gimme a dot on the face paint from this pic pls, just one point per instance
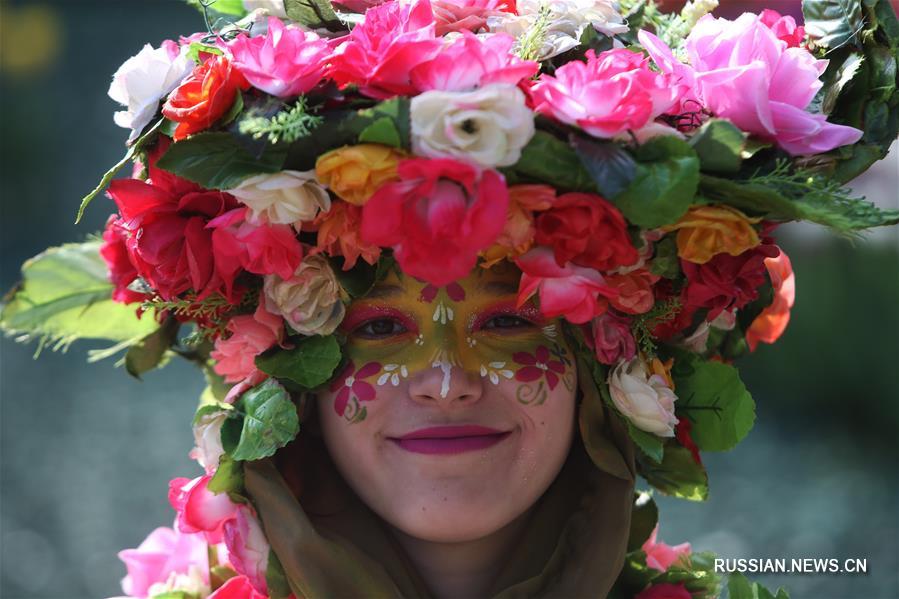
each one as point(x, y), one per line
point(405, 326)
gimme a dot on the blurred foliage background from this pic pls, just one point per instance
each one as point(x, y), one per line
point(87, 452)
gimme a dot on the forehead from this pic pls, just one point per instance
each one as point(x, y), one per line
point(499, 281)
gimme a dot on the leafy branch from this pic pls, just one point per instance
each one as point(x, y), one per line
point(287, 126)
point(644, 324)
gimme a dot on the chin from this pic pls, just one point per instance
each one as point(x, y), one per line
point(450, 521)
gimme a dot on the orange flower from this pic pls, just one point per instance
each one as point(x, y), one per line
point(771, 323)
point(518, 235)
point(635, 294)
point(338, 235)
point(355, 173)
point(663, 369)
point(708, 230)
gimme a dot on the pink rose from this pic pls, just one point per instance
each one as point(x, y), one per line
point(163, 552)
point(380, 53)
point(607, 95)
point(286, 62)
point(199, 509)
point(237, 587)
point(612, 338)
point(471, 62)
point(577, 293)
point(437, 217)
point(467, 15)
point(660, 556)
point(250, 336)
point(784, 27)
point(665, 591)
point(739, 70)
point(247, 547)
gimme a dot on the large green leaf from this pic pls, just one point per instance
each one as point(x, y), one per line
point(270, 421)
point(150, 352)
point(678, 475)
point(739, 587)
point(309, 364)
point(833, 23)
point(719, 145)
point(610, 165)
point(65, 295)
point(313, 14)
point(548, 159)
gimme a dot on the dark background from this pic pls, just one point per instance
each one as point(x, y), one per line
point(87, 452)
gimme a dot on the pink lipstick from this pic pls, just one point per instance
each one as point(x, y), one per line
point(450, 439)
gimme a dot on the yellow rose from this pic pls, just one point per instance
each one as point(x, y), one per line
point(355, 173)
point(708, 230)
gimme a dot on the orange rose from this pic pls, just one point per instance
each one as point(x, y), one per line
point(338, 235)
point(708, 230)
point(771, 323)
point(663, 369)
point(635, 295)
point(518, 235)
point(355, 173)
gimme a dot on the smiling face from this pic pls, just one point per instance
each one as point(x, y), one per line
point(456, 410)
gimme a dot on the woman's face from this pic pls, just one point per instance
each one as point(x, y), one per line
point(456, 411)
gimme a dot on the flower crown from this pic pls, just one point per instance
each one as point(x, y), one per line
point(632, 164)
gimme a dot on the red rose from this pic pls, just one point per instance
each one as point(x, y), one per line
point(665, 591)
point(587, 230)
point(121, 271)
point(164, 220)
point(726, 282)
point(204, 97)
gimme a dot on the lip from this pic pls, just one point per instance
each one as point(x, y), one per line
point(450, 439)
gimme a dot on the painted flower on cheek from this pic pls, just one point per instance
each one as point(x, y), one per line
point(537, 366)
point(350, 384)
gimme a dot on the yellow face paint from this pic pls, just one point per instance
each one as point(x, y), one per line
point(405, 326)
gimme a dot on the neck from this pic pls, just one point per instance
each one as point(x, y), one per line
point(463, 569)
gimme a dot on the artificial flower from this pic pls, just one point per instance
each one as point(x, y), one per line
point(379, 53)
point(340, 234)
point(784, 27)
point(587, 230)
point(143, 80)
point(192, 583)
point(249, 336)
point(660, 556)
point(470, 62)
point(683, 436)
point(199, 509)
point(739, 70)
point(708, 230)
point(204, 97)
point(274, 8)
point(612, 339)
point(644, 398)
point(283, 198)
point(358, 6)
point(164, 552)
point(467, 15)
point(577, 293)
point(287, 61)
point(207, 429)
point(518, 233)
point(120, 271)
point(665, 590)
point(237, 587)
point(437, 217)
point(309, 299)
point(635, 294)
point(355, 173)
point(772, 322)
point(488, 126)
point(247, 547)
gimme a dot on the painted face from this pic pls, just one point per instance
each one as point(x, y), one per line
point(456, 410)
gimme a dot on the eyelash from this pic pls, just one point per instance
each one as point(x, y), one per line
point(366, 330)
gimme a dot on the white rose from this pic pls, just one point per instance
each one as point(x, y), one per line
point(282, 198)
point(310, 300)
point(643, 398)
point(191, 583)
point(143, 80)
point(488, 126)
point(208, 440)
point(273, 8)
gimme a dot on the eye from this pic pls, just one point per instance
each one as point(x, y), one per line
point(506, 322)
point(380, 328)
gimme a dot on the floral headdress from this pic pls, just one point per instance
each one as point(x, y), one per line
point(633, 165)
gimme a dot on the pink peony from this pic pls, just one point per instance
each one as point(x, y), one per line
point(471, 62)
point(660, 556)
point(237, 587)
point(612, 338)
point(163, 552)
point(607, 95)
point(467, 15)
point(199, 509)
point(577, 293)
point(784, 27)
point(247, 547)
point(250, 336)
point(437, 217)
point(380, 53)
point(287, 61)
point(739, 70)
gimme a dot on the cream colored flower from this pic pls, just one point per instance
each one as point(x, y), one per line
point(645, 399)
point(208, 439)
point(488, 126)
point(310, 300)
point(283, 198)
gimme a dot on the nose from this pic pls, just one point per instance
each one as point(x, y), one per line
point(446, 385)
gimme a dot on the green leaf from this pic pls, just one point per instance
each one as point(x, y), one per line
point(218, 161)
point(650, 444)
point(234, 111)
point(832, 23)
point(310, 363)
point(697, 573)
point(196, 48)
point(842, 77)
point(719, 145)
point(275, 578)
point(269, 421)
point(712, 396)
point(666, 181)
point(66, 296)
point(382, 131)
point(313, 14)
point(610, 165)
point(228, 477)
point(739, 587)
point(547, 159)
point(677, 475)
point(129, 155)
point(148, 353)
point(233, 8)
point(665, 262)
point(357, 281)
point(231, 430)
point(644, 518)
